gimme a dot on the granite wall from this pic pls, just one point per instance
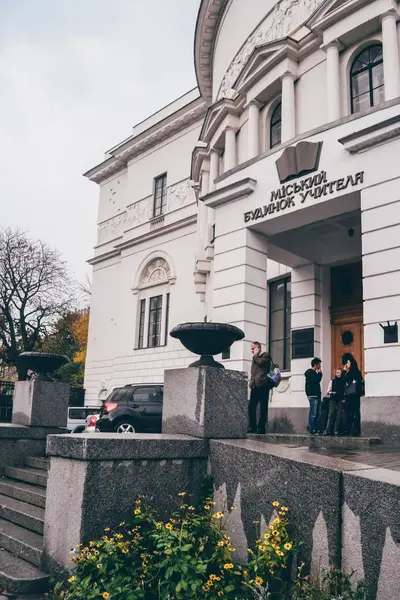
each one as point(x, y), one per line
point(346, 514)
point(94, 481)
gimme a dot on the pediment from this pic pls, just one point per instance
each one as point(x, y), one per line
point(330, 10)
point(262, 59)
point(216, 114)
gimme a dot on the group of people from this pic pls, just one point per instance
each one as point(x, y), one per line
point(338, 413)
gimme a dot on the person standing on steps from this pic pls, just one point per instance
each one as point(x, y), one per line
point(260, 387)
point(313, 392)
point(335, 394)
point(353, 390)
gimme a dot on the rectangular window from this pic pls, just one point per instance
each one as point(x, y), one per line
point(279, 322)
point(160, 195)
point(155, 314)
point(142, 317)
point(166, 319)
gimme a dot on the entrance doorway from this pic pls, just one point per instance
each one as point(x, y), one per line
point(347, 313)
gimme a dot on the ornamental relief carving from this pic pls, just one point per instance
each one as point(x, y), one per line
point(156, 271)
point(283, 18)
point(140, 212)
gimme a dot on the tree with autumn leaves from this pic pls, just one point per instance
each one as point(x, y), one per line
point(38, 306)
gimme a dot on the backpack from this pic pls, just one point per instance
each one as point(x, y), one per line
point(275, 377)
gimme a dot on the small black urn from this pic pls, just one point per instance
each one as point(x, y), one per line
point(207, 340)
point(42, 363)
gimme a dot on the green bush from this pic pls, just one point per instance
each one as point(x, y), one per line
point(188, 556)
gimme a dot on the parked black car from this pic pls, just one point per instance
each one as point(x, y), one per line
point(132, 408)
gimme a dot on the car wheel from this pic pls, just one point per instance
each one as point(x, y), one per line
point(125, 426)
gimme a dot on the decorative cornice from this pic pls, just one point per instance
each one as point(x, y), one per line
point(208, 20)
point(121, 154)
point(229, 193)
point(369, 137)
point(331, 11)
point(216, 114)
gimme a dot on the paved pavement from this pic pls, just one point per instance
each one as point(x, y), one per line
point(384, 457)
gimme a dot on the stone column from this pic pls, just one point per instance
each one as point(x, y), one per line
point(230, 149)
point(214, 169)
point(333, 80)
point(253, 129)
point(239, 294)
point(306, 313)
point(202, 213)
point(288, 107)
point(391, 60)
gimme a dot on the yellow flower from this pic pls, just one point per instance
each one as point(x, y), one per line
point(285, 508)
point(99, 566)
point(232, 549)
point(267, 536)
point(233, 508)
point(106, 595)
point(262, 548)
point(277, 520)
point(287, 546)
point(107, 529)
point(169, 527)
point(221, 543)
point(137, 511)
point(72, 579)
point(218, 515)
point(122, 523)
point(182, 494)
point(245, 573)
point(259, 580)
point(275, 503)
point(275, 532)
point(228, 566)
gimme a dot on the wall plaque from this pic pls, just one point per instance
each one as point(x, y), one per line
point(303, 343)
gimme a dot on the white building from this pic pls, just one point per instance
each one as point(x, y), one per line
point(197, 219)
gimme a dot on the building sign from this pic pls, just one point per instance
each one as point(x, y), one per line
point(296, 161)
point(303, 343)
point(292, 194)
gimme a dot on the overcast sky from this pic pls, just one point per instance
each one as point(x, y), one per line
point(75, 76)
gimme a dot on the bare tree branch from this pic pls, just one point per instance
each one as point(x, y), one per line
point(35, 291)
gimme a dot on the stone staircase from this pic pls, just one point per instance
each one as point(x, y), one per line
point(22, 502)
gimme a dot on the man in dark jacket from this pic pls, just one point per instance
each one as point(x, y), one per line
point(313, 391)
point(260, 387)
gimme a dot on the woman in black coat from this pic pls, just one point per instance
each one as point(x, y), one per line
point(353, 390)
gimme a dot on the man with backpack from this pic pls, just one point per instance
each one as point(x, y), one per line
point(261, 383)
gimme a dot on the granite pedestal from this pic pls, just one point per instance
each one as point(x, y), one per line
point(40, 403)
point(95, 479)
point(205, 402)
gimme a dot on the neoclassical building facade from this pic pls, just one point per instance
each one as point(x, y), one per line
point(269, 198)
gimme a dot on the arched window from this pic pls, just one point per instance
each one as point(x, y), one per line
point(154, 303)
point(366, 79)
point(275, 136)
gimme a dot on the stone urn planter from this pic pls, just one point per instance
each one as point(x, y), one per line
point(207, 340)
point(42, 363)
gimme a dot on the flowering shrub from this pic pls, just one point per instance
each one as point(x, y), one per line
point(188, 556)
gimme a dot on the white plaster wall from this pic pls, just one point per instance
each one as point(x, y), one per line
point(172, 156)
point(380, 207)
point(114, 313)
point(240, 18)
point(310, 89)
point(112, 196)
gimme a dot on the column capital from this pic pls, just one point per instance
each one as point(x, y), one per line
point(231, 128)
point(332, 44)
point(216, 151)
point(289, 75)
point(253, 102)
point(391, 13)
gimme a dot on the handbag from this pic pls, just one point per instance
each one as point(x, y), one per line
point(354, 388)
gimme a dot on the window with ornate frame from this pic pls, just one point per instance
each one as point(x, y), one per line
point(275, 126)
point(160, 195)
point(367, 86)
point(280, 311)
point(153, 304)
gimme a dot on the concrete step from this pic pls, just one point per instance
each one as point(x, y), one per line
point(27, 474)
point(20, 577)
point(22, 513)
point(26, 492)
point(37, 463)
point(316, 441)
point(22, 542)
